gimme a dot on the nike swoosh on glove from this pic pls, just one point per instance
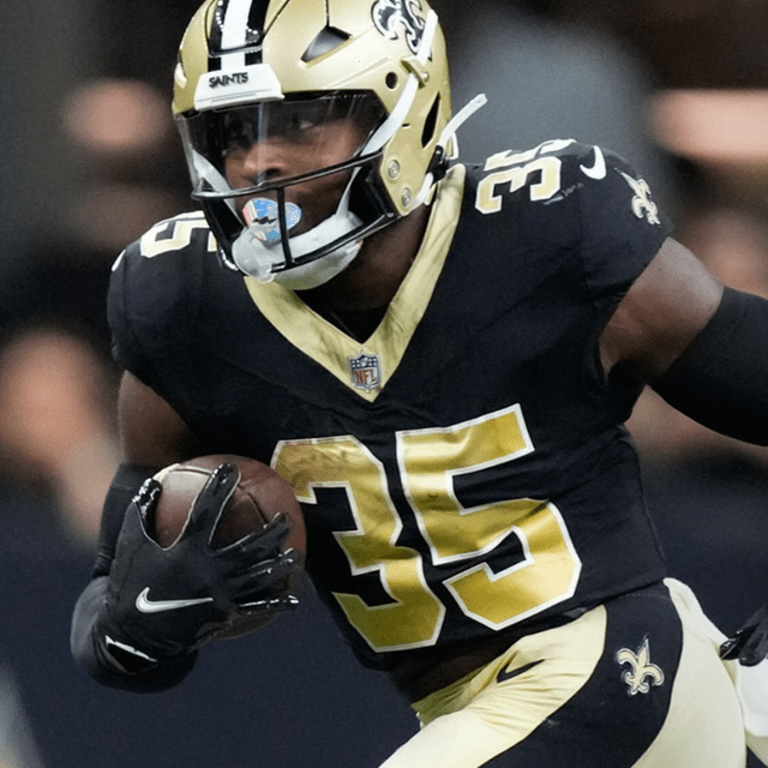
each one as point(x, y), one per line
point(163, 603)
point(750, 644)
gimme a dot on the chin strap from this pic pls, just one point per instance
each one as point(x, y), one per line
point(448, 134)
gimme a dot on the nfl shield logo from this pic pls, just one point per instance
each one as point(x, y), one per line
point(366, 371)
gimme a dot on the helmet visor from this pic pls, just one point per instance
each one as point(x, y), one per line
point(275, 141)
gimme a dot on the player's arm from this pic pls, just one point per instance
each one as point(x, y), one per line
point(702, 347)
point(152, 436)
point(663, 311)
point(112, 638)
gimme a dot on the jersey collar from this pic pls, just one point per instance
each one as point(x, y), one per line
point(341, 355)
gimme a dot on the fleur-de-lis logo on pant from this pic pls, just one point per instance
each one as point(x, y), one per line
point(642, 674)
point(642, 205)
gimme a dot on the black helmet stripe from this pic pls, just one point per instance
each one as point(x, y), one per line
point(257, 17)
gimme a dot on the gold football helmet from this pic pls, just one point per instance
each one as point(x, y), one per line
point(250, 69)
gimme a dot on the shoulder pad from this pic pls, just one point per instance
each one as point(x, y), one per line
point(187, 232)
point(554, 170)
point(535, 173)
point(154, 287)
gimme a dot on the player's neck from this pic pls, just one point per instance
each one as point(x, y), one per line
point(373, 278)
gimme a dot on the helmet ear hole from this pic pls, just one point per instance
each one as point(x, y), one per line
point(391, 80)
point(430, 123)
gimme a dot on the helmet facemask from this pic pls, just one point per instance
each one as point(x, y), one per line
point(236, 158)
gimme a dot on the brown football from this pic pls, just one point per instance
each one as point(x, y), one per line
point(260, 494)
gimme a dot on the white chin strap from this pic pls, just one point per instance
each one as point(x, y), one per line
point(448, 135)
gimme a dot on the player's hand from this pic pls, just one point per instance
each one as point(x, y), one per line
point(750, 644)
point(163, 603)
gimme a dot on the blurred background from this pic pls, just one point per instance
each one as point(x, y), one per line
point(89, 160)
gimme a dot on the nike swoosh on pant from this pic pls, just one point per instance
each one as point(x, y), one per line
point(508, 674)
point(145, 605)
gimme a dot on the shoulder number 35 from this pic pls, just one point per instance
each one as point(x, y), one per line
point(511, 170)
point(428, 460)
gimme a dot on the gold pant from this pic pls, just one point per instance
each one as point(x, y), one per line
point(580, 696)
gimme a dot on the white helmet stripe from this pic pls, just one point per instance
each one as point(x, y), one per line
point(235, 24)
point(233, 33)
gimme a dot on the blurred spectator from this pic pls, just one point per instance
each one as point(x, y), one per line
point(122, 132)
point(55, 424)
point(57, 380)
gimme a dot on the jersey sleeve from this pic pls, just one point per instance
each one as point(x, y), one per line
point(622, 227)
point(151, 299)
point(126, 344)
point(563, 197)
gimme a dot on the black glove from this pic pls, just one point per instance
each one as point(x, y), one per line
point(750, 644)
point(163, 603)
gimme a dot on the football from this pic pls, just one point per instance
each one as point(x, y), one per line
point(260, 494)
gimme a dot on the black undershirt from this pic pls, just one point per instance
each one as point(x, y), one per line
point(359, 324)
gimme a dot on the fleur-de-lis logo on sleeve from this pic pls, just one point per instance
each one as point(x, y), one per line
point(642, 205)
point(642, 674)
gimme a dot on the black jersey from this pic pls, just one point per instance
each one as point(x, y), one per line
point(464, 471)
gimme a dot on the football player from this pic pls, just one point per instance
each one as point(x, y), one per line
point(439, 357)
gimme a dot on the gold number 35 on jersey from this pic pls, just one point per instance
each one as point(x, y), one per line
point(511, 171)
point(428, 460)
